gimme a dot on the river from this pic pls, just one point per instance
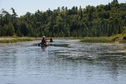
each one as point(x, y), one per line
point(77, 63)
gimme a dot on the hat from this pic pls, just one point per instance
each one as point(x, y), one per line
point(44, 37)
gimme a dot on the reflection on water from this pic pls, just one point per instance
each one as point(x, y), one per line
point(77, 63)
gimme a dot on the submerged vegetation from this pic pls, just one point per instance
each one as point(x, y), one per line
point(99, 21)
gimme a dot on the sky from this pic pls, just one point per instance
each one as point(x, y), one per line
point(23, 6)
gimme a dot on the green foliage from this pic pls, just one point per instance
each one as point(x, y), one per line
point(102, 20)
point(124, 30)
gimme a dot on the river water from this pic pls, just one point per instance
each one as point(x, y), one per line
point(77, 63)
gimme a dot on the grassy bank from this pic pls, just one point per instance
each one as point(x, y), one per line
point(22, 39)
point(97, 39)
point(117, 38)
point(16, 39)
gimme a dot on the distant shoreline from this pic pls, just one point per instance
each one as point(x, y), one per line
point(113, 39)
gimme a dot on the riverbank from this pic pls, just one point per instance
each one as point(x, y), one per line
point(22, 39)
point(97, 39)
point(117, 38)
point(16, 39)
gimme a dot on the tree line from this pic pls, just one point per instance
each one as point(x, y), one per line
point(91, 21)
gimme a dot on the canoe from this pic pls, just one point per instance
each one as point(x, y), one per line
point(58, 45)
point(42, 45)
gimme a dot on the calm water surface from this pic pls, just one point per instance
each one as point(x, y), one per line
point(78, 63)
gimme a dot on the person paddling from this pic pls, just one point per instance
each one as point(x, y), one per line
point(44, 41)
point(51, 40)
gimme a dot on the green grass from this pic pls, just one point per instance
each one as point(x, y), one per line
point(116, 38)
point(16, 39)
point(97, 39)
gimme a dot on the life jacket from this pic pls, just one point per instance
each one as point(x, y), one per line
point(43, 41)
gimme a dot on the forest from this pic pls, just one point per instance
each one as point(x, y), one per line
point(91, 21)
